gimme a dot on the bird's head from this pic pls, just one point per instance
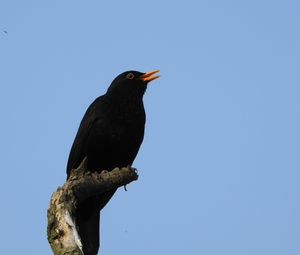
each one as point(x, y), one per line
point(132, 83)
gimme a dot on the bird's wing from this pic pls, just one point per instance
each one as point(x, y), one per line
point(93, 127)
point(90, 120)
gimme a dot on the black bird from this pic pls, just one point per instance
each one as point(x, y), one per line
point(109, 135)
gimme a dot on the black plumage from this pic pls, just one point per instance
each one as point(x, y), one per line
point(110, 135)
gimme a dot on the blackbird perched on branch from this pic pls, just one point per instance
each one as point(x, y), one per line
point(109, 135)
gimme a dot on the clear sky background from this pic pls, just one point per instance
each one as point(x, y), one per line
point(219, 166)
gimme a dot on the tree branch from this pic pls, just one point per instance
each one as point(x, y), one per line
point(62, 232)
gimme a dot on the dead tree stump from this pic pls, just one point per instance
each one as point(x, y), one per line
point(62, 231)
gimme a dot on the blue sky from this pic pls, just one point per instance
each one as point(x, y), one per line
point(219, 166)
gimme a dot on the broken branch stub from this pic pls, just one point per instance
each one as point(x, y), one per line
point(62, 232)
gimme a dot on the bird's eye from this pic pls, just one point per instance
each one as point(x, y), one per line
point(130, 76)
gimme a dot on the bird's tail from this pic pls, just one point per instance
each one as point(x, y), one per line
point(88, 220)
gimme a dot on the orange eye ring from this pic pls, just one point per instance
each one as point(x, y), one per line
point(130, 76)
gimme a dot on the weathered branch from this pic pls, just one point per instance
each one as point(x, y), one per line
point(62, 233)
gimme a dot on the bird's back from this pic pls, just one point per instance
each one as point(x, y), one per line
point(109, 134)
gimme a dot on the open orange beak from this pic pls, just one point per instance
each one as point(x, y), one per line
point(148, 76)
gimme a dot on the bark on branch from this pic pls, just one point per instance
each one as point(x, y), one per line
point(62, 233)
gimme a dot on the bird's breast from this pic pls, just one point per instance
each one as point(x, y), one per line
point(119, 145)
